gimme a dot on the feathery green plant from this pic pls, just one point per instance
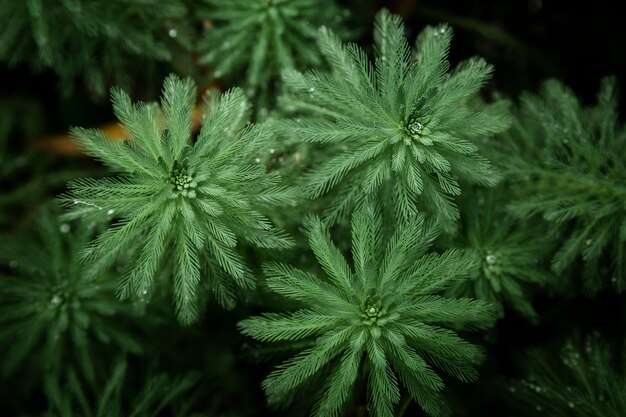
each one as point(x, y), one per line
point(158, 393)
point(508, 250)
point(52, 318)
point(570, 170)
point(381, 320)
point(584, 383)
point(269, 35)
point(406, 124)
point(188, 203)
point(97, 41)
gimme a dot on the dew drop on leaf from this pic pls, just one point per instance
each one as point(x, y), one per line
point(55, 301)
point(64, 228)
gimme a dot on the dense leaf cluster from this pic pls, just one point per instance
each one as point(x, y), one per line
point(406, 124)
point(97, 42)
point(568, 162)
point(61, 319)
point(268, 36)
point(189, 204)
point(381, 320)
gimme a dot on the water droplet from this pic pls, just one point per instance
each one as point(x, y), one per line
point(173, 33)
point(257, 160)
point(491, 259)
point(311, 90)
point(64, 228)
point(272, 151)
point(110, 212)
point(145, 291)
point(570, 404)
point(539, 408)
point(13, 264)
point(588, 242)
point(56, 300)
point(613, 279)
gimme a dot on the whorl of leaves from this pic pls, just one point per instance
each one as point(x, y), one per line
point(51, 318)
point(568, 160)
point(254, 40)
point(185, 205)
point(405, 122)
point(380, 321)
point(513, 254)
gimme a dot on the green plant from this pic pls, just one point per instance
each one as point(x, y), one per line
point(509, 251)
point(52, 318)
point(67, 35)
point(583, 380)
point(381, 320)
point(406, 124)
point(570, 171)
point(157, 393)
point(269, 35)
point(187, 203)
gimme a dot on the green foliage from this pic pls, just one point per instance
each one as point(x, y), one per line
point(190, 204)
point(584, 382)
point(405, 122)
point(52, 318)
point(365, 154)
point(381, 320)
point(158, 393)
point(570, 170)
point(508, 250)
point(25, 175)
point(98, 41)
point(252, 41)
